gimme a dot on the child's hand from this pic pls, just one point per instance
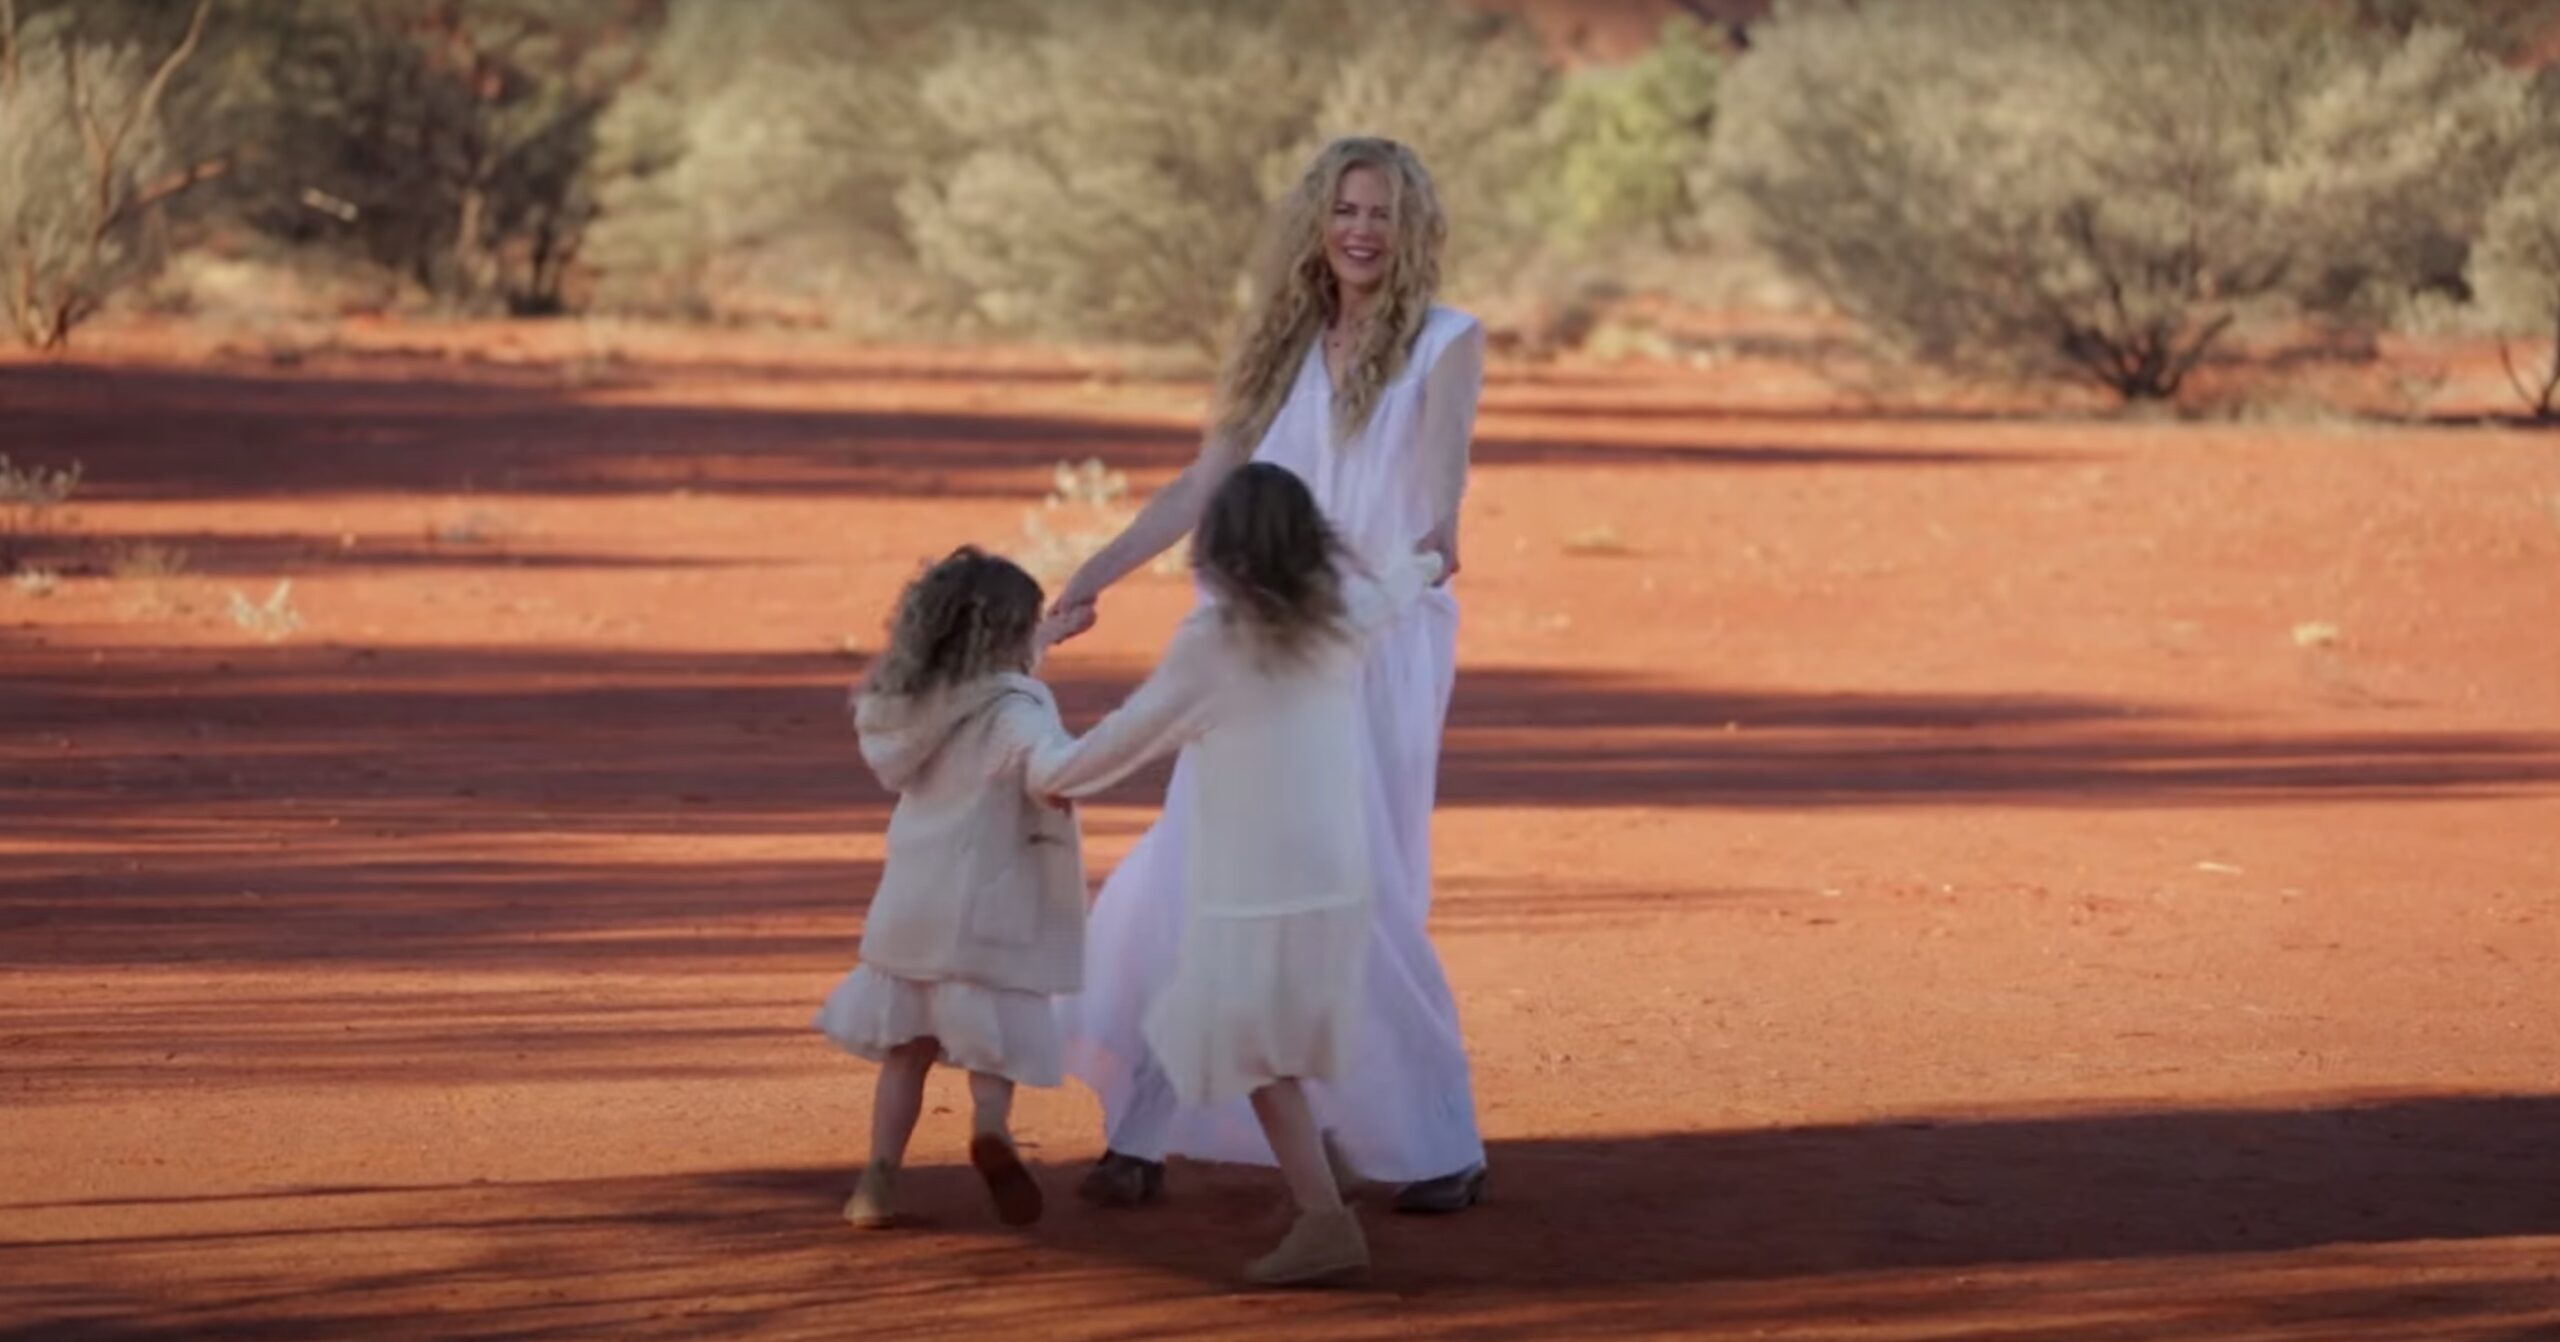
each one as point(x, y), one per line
point(1443, 541)
point(1063, 623)
point(870, 674)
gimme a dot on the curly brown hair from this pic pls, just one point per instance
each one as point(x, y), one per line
point(969, 615)
point(1274, 562)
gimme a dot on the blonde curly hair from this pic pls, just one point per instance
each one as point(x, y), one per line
point(968, 616)
point(1293, 294)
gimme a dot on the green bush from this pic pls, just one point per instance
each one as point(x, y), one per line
point(2516, 273)
point(763, 154)
point(2090, 189)
point(84, 156)
point(1110, 161)
point(1630, 144)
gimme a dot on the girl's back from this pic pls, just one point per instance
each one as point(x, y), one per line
point(981, 881)
point(979, 915)
point(1275, 742)
point(1278, 782)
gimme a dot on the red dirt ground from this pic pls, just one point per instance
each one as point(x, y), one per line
point(1902, 873)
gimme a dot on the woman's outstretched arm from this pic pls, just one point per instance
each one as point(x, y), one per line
point(1447, 429)
point(1165, 519)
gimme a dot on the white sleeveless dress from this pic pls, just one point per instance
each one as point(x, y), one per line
point(1405, 1108)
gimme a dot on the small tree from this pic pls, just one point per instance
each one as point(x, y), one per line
point(2516, 274)
point(765, 149)
point(453, 136)
point(1468, 91)
point(1631, 142)
point(2506, 28)
point(82, 160)
point(1111, 161)
point(2090, 189)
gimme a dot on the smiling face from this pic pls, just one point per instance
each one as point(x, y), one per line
point(1359, 235)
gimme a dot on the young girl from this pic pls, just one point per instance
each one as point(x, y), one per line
point(979, 916)
point(1262, 684)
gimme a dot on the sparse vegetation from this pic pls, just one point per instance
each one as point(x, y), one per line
point(2047, 188)
point(146, 569)
point(2516, 273)
point(1631, 144)
point(451, 143)
point(2093, 190)
point(476, 527)
point(83, 161)
point(274, 619)
point(146, 561)
point(1599, 540)
point(1087, 505)
point(31, 500)
point(1110, 162)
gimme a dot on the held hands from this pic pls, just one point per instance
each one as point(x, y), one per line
point(1063, 622)
point(1074, 612)
point(1443, 541)
point(870, 675)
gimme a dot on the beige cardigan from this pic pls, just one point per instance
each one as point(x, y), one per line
point(984, 882)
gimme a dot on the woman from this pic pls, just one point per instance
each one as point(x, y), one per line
point(1348, 375)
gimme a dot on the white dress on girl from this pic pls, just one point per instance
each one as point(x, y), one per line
point(1266, 982)
point(1406, 1110)
point(979, 916)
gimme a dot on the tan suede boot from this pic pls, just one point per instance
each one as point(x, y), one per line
point(873, 1205)
point(1321, 1248)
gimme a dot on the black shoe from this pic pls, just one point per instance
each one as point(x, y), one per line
point(1122, 1181)
point(1444, 1195)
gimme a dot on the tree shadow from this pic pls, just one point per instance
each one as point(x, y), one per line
point(458, 805)
point(165, 434)
point(1517, 738)
point(159, 434)
point(397, 1037)
point(465, 543)
point(1814, 769)
point(2409, 1217)
point(1495, 447)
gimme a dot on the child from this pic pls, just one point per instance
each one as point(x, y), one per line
point(1262, 683)
point(979, 916)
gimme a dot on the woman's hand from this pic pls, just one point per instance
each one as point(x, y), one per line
point(1063, 622)
point(1078, 605)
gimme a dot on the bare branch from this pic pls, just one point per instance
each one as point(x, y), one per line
point(2551, 385)
point(1735, 31)
point(148, 104)
point(2544, 404)
point(2515, 379)
point(80, 113)
point(8, 46)
point(2186, 361)
point(22, 300)
point(174, 184)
